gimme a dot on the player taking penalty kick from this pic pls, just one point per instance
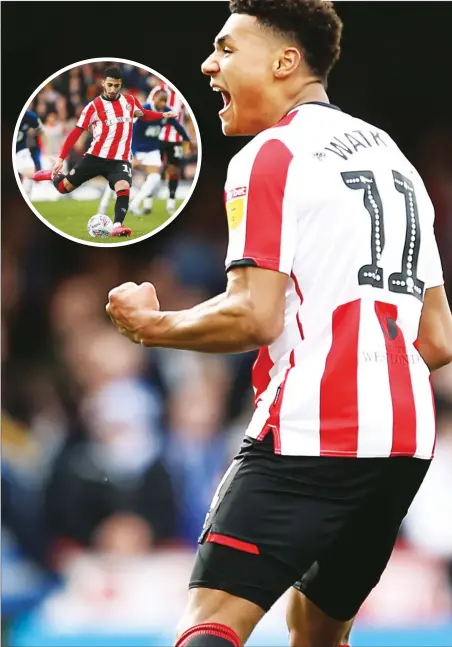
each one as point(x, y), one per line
point(110, 116)
point(334, 274)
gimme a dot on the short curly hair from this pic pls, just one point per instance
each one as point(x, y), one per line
point(113, 72)
point(313, 24)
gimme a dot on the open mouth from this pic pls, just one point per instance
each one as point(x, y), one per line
point(226, 99)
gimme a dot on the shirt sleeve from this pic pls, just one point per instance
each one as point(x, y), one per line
point(137, 104)
point(261, 213)
point(71, 140)
point(87, 117)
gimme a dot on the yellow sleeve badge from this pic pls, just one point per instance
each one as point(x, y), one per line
point(235, 206)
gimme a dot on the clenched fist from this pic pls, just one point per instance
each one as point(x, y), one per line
point(133, 308)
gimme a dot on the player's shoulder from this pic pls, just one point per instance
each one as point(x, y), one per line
point(31, 118)
point(268, 146)
point(95, 103)
point(293, 123)
point(128, 102)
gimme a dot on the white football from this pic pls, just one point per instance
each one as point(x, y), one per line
point(99, 226)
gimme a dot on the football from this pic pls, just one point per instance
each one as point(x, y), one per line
point(99, 226)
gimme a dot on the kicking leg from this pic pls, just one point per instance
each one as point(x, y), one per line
point(62, 184)
point(59, 181)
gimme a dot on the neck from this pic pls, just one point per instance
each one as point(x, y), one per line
point(108, 98)
point(313, 90)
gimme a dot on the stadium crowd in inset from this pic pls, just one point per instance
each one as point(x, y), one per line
point(106, 151)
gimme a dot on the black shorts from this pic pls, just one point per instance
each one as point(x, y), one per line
point(172, 153)
point(91, 166)
point(322, 524)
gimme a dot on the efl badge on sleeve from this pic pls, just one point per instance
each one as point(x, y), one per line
point(235, 206)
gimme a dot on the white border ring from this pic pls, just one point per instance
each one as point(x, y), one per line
point(167, 222)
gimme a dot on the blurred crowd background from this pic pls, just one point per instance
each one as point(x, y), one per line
point(111, 453)
point(61, 101)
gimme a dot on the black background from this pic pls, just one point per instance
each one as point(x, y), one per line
point(395, 69)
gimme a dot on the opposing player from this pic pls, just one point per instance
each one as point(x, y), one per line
point(30, 126)
point(36, 146)
point(334, 274)
point(171, 143)
point(146, 153)
point(111, 118)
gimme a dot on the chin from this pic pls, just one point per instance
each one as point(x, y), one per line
point(233, 129)
point(228, 129)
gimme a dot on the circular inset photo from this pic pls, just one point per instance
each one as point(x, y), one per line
point(106, 152)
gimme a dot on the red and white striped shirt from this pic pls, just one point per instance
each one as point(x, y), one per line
point(168, 132)
point(332, 202)
point(112, 124)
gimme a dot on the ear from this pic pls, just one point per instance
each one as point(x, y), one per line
point(286, 62)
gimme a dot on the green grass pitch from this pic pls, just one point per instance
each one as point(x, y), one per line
point(71, 217)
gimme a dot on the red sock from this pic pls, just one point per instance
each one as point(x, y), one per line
point(213, 629)
point(61, 188)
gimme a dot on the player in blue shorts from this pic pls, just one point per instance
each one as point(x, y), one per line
point(146, 154)
point(30, 125)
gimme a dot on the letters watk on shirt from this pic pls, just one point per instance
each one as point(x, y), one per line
point(332, 202)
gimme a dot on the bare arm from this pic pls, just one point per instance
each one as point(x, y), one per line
point(248, 315)
point(434, 341)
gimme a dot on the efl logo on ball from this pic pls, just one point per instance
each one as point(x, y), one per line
point(99, 226)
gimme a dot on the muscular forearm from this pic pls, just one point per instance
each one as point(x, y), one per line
point(250, 314)
point(221, 325)
point(434, 357)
